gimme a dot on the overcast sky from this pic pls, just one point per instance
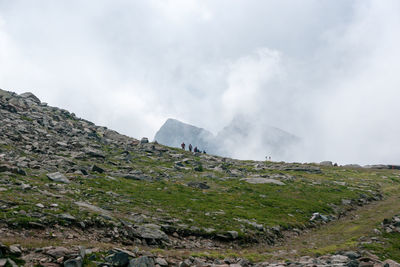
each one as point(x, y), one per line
point(326, 71)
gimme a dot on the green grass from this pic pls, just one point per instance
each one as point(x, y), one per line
point(221, 207)
point(389, 249)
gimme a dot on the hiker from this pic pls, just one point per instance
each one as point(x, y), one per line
point(183, 145)
point(204, 152)
point(190, 147)
point(195, 149)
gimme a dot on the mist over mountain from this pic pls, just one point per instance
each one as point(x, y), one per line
point(246, 138)
point(242, 138)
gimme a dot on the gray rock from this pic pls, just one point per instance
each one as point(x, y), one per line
point(326, 163)
point(12, 169)
point(144, 140)
point(151, 232)
point(118, 259)
point(377, 166)
point(137, 177)
point(317, 216)
point(199, 185)
point(244, 262)
point(14, 249)
point(353, 263)
point(98, 169)
point(94, 153)
point(29, 95)
point(354, 166)
point(390, 263)
point(233, 234)
point(352, 255)
point(339, 258)
point(186, 263)
point(67, 217)
point(161, 262)
point(3, 262)
point(346, 201)
point(300, 168)
point(262, 181)
point(143, 261)
point(77, 262)
point(25, 186)
point(103, 212)
point(58, 177)
point(58, 252)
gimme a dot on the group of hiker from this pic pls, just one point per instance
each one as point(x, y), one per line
point(190, 147)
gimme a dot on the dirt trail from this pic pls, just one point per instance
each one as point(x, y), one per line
point(343, 234)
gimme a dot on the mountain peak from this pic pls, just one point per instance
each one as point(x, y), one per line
point(173, 132)
point(243, 137)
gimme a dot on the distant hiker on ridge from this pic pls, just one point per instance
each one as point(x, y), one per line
point(183, 145)
point(195, 149)
point(190, 147)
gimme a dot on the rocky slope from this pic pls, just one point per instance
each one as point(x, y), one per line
point(67, 183)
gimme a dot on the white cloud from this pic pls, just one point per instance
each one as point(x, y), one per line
point(324, 70)
point(181, 10)
point(248, 78)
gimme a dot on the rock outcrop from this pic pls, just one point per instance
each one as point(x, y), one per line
point(173, 133)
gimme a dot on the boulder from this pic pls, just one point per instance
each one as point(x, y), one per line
point(352, 255)
point(30, 96)
point(77, 262)
point(319, 217)
point(58, 177)
point(161, 262)
point(14, 249)
point(390, 263)
point(118, 259)
point(67, 217)
point(12, 169)
point(233, 234)
point(150, 232)
point(95, 153)
point(143, 261)
point(58, 252)
point(144, 140)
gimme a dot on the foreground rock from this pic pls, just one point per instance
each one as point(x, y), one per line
point(58, 177)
